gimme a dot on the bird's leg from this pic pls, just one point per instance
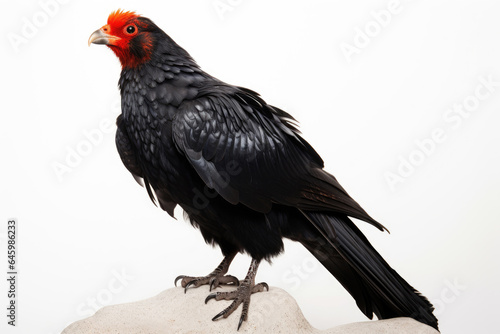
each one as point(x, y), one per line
point(215, 278)
point(240, 295)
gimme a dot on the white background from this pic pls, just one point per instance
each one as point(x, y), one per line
point(364, 115)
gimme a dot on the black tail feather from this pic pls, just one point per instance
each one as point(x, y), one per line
point(377, 288)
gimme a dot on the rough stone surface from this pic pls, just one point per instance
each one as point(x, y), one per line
point(172, 311)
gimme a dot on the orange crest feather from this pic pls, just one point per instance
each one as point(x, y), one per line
point(119, 17)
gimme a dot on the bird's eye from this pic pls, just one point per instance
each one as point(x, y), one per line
point(130, 29)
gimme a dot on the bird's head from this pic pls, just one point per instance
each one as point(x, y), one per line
point(130, 36)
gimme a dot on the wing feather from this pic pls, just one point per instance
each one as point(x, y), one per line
point(275, 164)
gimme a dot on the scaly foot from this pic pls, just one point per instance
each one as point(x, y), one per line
point(214, 279)
point(240, 295)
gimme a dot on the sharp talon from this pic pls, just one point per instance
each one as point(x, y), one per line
point(220, 314)
point(241, 321)
point(178, 278)
point(210, 296)
point(239, 296)
point(188, 285)
point(234, 281)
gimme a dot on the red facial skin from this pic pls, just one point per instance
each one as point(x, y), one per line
point(120, 42)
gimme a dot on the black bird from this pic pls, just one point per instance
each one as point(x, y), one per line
point(242, 173)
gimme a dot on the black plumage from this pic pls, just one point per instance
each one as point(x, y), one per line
point(243, 174)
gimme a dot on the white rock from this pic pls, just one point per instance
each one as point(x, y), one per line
point(172, 311)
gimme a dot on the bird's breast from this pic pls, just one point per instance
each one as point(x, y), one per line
point(149, 127)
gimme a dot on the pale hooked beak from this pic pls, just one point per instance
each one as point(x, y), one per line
point(101, 37)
